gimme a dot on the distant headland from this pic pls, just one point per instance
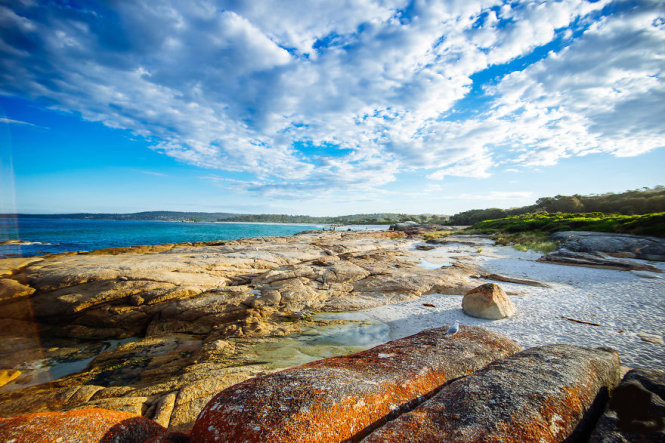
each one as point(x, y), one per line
point(638, 201)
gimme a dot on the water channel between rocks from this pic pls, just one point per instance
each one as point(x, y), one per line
point(44, 370)
point(357, 333)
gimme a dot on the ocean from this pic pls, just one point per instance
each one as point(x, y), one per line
point(40, 236)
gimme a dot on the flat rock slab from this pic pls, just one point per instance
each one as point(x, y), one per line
point(194, 288)
point(340, 398)
point(637, 246)
point(84, 425)
point(505, 278)
point(540, 394)
point(465, 240)
point(594, 260)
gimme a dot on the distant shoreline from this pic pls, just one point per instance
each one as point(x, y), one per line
point(320, 225)
point(25, 237)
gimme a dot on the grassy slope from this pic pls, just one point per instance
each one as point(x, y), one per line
point(547, 223)
point(530, 231)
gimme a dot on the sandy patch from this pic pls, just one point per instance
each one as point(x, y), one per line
point(625, 304)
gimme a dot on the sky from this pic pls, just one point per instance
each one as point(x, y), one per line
point(326, 107)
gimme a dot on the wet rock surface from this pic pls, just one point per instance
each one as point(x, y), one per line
point(345, 397)
point(88, 425)
point(159, 330)
point(542, 394)
point(623, 245)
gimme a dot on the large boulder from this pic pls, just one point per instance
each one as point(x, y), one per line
point(636, 411)
point(403, 226)
point(624, 245)
point(342, 398)
point(544, 394)
point(488, 301)
point(99, 425)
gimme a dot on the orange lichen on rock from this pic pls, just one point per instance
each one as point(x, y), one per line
point(83, 425)
point(346, 397)
point(544, 394)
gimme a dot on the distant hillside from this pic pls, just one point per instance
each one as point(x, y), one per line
point(148, 215)
point(356, 219)
point(638, 201)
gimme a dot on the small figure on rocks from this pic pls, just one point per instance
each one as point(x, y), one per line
point(453, 329)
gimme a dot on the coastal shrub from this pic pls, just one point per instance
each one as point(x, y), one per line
point(639, 201)
point(436, 234)
point(524, 241)
point(547, 223)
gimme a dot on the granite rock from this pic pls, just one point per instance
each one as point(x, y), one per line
point(82, 425)
point(595, 260)
point(636, 411)
point(625, 245)
point(192, 313)
point(345, 397)
point(545, 394)
point(488, 301)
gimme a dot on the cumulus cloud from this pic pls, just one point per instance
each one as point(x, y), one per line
point(603, 93)
point(238, 86)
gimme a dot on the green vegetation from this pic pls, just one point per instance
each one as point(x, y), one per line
point(531, 231)
point(356, 219)
point(644, 224)
point(639, 201)
point(433, 235)
point(524, 241)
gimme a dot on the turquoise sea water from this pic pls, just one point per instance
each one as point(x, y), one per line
point(48, 236)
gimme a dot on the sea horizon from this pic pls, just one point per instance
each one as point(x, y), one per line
point(27, 237)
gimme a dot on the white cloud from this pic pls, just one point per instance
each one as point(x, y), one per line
point(155, 173)
point(236, 85)
point(603, 93)
point(9, 121)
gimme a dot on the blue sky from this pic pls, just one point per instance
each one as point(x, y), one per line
point(326, 107)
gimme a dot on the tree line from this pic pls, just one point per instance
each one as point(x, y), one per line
point(638, 201)
point(632, 202)
point(356, 219)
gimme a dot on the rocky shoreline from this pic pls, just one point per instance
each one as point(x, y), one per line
point(160, 330)
point(469, 385)
point(193, 314)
